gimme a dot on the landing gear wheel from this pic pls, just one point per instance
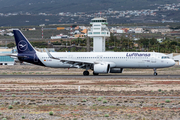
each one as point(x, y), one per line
point(86, 73)
point(155, 74)
point(95, 73)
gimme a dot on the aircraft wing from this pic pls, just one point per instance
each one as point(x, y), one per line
point(12, 55)
point(69, 61)
point(74, 63)
point(77, 63)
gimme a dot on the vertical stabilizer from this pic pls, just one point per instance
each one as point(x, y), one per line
point(23, 45)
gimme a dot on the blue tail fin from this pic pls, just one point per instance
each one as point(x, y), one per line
point(23, 45)
point(25, 50)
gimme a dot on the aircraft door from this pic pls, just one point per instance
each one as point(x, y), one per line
point(70, 56)
point(153, 58)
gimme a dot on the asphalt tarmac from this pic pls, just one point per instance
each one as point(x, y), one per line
point(93, 77)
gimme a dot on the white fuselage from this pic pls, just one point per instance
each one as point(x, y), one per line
point(115, 59)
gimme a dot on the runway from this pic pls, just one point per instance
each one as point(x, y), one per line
point(93, 77)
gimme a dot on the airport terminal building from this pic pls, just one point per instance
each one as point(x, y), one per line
point(6, 60)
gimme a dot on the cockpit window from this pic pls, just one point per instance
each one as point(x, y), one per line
point(165, 57)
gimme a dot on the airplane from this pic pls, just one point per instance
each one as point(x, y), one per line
point(98, 62)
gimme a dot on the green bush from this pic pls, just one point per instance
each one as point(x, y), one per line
point(99, 98)
point(10, 107)
point(84, 100)
point(106, 115)
point(167, 101)
point(0, 113)
point(13, 95)
point(51, 113)
point(7, 90)
point(4, 119)
point(159, 90)
point(104, 101)
point(23, 117)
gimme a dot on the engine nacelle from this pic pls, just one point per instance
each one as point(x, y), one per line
point(101, 68)
point(116, 70)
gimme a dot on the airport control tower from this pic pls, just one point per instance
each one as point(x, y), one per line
point(99, 31)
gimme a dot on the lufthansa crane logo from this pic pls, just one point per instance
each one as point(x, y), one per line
point(22, 45)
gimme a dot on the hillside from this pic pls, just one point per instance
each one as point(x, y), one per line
point(56, 6)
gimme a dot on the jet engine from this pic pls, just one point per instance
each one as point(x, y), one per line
point(101, 68)
point(116, 70)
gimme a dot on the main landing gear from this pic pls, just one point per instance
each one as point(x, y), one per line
point(86, 73)
point(155, 73)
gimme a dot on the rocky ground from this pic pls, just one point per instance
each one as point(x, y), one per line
point(88, 99)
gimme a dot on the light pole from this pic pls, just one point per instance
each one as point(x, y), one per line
point(128, 44)
point(177, 46)
point(114, 42)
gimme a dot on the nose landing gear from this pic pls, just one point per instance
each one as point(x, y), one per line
point(155, 73)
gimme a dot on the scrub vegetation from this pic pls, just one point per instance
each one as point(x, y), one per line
point(50, 98)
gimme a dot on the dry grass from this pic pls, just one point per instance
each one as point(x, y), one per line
point(39, 96)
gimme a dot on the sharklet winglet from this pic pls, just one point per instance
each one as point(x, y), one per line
point(49, 54)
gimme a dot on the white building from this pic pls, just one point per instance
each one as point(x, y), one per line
point(10, 34)
point(177, 59)
point(113, 30)
point(59, 36)
point(160, 30)
point(99, 31)
point(6, 60)
point(120, 31)
point(138, 30)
